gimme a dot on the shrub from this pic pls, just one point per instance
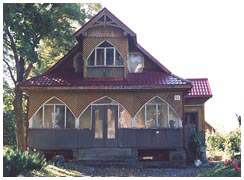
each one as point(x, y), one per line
point(9, 137)
point(195, 145)
point(16, 162)
point(215, 142)
point(233, 141)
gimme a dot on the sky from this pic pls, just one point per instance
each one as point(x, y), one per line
point(195, 39)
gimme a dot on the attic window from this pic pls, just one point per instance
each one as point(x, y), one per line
point(105, 55)
point(135, 63)
point(77, 62)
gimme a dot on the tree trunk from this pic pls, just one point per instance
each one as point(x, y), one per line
point(20, 127)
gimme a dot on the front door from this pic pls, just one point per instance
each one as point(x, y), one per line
point(104, 125)
point(191, 120)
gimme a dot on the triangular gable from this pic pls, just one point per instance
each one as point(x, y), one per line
point(104, 18)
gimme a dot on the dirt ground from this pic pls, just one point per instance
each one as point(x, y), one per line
point(112, 171)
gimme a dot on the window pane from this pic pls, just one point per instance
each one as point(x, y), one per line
point(118, 59)
point(100, 57)
point(91, 59)
point(59, 116)
point(124, 118)
point(85, 119)
point(70, 119)
point(163, 115)
point(48, 116)
point(36, 121)
point(109, 56)
point(174, 119)
point(98, 123)
point(140, 119)
point(151, 116)
point(111, 113)
point(135, 64)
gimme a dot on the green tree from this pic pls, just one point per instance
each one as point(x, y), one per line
point(8, 116)
point(233, 141)
point(24, 27)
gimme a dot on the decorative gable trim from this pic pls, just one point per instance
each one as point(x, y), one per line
point(104, 18)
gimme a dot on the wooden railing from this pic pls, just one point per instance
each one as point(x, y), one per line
point(75, 138)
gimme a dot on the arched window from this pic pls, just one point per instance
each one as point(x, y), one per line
point(105, 54)
point(157, 113)
point(53, 114)
point(124, 118)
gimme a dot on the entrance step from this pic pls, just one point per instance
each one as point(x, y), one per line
point(106, 154)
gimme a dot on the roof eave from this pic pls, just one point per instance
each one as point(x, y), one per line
point(165, 87)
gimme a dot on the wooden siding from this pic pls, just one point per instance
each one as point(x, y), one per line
point(75, 138)
point(132, 101)
point(148, 138)
point(59, 138)
point(105, 72)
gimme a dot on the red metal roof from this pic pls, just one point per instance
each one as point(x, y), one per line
point(201, 88)
point(147, 79)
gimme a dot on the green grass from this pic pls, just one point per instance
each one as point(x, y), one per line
point(52, 171)
point(221, 171)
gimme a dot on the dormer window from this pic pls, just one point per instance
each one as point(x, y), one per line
point(105, 55)
point(135, 63)
point(105, 61)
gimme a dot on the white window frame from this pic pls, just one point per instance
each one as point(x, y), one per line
point(52, 104)
point(104, 104)
point(145, 116)
point(105, 56)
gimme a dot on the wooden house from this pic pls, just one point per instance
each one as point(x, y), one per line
point(108, 99)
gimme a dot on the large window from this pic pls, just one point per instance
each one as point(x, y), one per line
point(53, 114)
point(157, 114)
point(124, 118)
point(105, 55)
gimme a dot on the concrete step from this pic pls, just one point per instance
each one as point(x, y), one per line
point(105, 154)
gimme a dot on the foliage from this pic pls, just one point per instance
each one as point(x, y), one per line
point(9, 137)
point(221, 171)
point(25, 25)
point(195, 145)
point(233, 141)
point(215, 142)
point(224, 145)
point(16, 162)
